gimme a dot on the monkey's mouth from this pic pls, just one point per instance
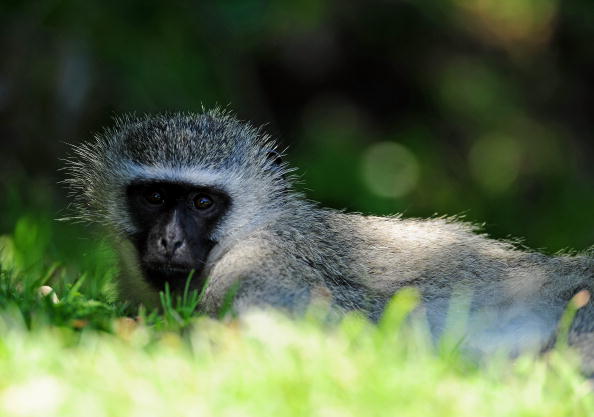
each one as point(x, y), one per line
point(173, 274)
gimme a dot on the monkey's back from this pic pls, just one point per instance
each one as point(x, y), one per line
point(508, 297)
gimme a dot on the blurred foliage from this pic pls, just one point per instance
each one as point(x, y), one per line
point(237, 368)
point(481, 107)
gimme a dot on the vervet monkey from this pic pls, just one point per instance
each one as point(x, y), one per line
point(210, 194)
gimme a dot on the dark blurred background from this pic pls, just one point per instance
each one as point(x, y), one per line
point(474, 107)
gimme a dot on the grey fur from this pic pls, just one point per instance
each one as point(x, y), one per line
point(285, 251)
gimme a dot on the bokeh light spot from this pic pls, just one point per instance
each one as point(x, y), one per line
point(471, 89)
point(495, 162)
point(516, 25)
point(390, 169)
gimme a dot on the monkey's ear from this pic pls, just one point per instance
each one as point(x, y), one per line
point(274, 157)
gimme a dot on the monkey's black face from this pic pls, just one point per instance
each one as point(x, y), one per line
point(175, 222)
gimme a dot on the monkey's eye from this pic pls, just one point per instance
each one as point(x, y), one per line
point(202, 202)
point(154, 198)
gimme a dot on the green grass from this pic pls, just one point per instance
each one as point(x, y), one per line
point(84, 356)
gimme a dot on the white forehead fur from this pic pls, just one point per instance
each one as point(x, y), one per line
point(203, 177)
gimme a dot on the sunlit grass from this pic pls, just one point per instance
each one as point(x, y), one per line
point(268, 365)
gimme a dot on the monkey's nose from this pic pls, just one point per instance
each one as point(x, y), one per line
point(169, 246)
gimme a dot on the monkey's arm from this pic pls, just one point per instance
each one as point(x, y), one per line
point(260, 274)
